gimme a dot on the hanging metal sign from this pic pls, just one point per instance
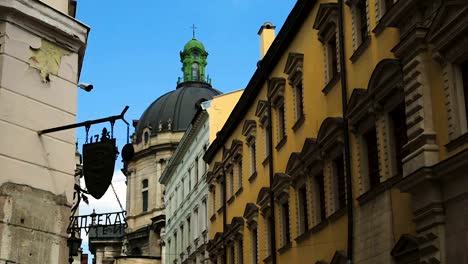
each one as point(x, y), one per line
point(98, 164)
point(115, 221)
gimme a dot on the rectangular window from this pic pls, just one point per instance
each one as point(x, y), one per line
point(281, 122)
point(232, 255)
point(267, 140)
point(189, 180)
point(362, 23)
point(254, 245)
point(320, 196)
point(332, 58)
point(222, 196)
point(340, 182)
point(189, 231)
point(176, 244)
point(267, 236)
point(303, 212)
point(239, 173)
point(205, 215)
point(253, 156)
point(214, 201)
point(196, 224)
point(182, 189)
point(231, 182)
point(299, 101)
point(400, 138)
point(182, 238)
point(145, 200)
point(240, 251)
point(196, 171)
point(285, 223)
point(464, 74)
point(372, 158)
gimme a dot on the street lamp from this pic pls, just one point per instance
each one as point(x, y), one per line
point(74, 244)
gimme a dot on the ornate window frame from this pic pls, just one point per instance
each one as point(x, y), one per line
point(360, 43)
point(294, 68)
point(280, 187)
point(331, 141)
point(276, 93)
point(249, 130)
point(262, 113)
point(251, 216)
point(326, 22)
point(446, 35)
point(263, 200)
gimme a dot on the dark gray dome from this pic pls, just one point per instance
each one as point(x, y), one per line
point(175, 110)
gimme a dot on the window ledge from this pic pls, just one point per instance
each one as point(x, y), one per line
point(213, 217)
point(268, 259)
point(284, 248)
point(377, 190)
point(220, 210)
point(230, 200)
point(318, 227)
point(238, 192)
point(337, 214)
point(457, 142)
point(281, 143)
point(298, 123)
point(331, 83)
point(266, 160)
point(303, 236)
point(252, 177)
point(360, 50)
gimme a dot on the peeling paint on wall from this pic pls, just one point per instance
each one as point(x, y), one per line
point(47, 59)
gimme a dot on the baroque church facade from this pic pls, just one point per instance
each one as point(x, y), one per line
point(157, 135)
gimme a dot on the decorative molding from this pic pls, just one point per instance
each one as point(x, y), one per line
point(326, 15)
point(276, 90)
point(262, 112)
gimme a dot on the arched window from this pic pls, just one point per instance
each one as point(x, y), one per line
point(195, 72)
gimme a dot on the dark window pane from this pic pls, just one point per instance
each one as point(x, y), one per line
point(332, 56)
point(304, 211)
point(282, 122)
point(464, 71)
point(285, 216)
point(361, 6)
point(340, 181)
point(372, 158)
point(299, 100)
point(145, 201)
point(144, 183)
point(321, 195)
point(400, 137)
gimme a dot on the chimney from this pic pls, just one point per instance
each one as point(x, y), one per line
point(267, 35)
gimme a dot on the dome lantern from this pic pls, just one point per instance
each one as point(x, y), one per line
point(194, 62)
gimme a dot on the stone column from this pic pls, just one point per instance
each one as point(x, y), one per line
point(41, 51)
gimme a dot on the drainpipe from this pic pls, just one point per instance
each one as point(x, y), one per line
point(271, 172)
point(224, 213)
point(344, 99)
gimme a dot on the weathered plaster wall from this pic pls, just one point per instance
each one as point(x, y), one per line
point(39, 67)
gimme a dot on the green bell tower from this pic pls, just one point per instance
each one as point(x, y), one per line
point(194, 62)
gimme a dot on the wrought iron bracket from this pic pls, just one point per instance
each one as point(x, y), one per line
point(88, 123)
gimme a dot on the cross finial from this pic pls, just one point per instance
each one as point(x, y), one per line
point(193, 30)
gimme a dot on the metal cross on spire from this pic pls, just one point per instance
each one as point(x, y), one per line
point(193, 30)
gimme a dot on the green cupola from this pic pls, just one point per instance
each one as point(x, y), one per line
point(194, 62)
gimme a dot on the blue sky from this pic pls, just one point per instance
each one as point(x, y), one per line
point(133, 55)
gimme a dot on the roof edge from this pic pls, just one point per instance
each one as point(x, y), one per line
point(294, 21)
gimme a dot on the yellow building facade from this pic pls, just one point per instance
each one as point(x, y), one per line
point(294, 178)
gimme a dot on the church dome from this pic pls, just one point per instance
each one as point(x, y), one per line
point(173, 111)
point(194, 43)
